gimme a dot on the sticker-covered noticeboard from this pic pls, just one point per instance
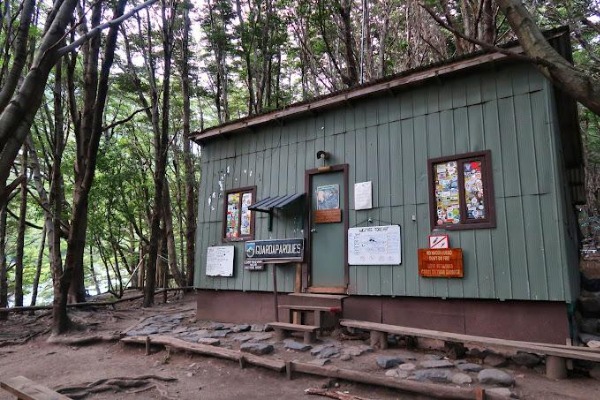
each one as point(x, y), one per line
point(441, 263)
point(374, 245)
point(219, 261)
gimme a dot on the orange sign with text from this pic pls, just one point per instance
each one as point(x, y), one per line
point(441, 263)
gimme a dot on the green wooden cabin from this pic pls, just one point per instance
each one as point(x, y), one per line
point(483, 149)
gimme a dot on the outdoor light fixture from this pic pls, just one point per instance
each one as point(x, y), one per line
point(323, 155)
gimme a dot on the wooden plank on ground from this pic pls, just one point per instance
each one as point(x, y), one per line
point(293, 327)
point(538, 348)
point(26, 389)
point(204, 349)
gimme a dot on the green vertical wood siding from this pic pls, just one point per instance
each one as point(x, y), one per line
point(387, 139)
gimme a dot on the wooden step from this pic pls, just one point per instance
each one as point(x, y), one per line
point(26, 389)
point(283, 329)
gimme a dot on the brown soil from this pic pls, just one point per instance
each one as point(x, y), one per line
point(198, 377)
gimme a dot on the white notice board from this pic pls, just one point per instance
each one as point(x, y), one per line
point(374, 245)
point(219, 261)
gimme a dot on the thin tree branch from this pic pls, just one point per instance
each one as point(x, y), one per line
point(122, 121)
point(485, 45)
point(100, 28)
point(29, 224)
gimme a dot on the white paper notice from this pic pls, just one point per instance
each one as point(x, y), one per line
point(219, 261)
point(363, 195)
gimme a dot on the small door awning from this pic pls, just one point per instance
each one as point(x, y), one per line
point(276, 202)
point(267, 205)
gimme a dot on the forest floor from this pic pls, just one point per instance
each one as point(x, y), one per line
point(25, 349)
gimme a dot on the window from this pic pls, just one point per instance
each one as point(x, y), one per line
point(238, 221)
point(461, 191)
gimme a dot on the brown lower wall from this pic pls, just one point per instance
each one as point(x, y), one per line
point(540, 321)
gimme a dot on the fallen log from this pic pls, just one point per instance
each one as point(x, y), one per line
point(423, 388)
point(228, 354)
point(83, 340)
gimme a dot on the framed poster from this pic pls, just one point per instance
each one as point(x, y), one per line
point(328, 197)
point(375, 245)
point(219, 260)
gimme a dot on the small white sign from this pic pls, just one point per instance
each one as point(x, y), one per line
point(219, 261)
point(439, 242)
point(363, 195)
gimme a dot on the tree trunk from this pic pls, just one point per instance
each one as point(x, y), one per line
point(21, 232)
point(3, 272)
point(17, 117)
point(38, 268)
point(581, 85)
point(161, 146)
point(170, 238)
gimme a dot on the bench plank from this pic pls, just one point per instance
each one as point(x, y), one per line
point(539, 348)
point(293, 327)
point(310, 308)
point(26, 389)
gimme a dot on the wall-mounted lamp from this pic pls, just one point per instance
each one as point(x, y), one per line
point(323, 155)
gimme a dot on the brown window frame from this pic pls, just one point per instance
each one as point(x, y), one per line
point(241, 191)
point(485, 157)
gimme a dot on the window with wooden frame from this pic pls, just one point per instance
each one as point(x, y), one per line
point(238, 220)
point(461, 191)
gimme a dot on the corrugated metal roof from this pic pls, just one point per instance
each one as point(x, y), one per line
point(268, 204)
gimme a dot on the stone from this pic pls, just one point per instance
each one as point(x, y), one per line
point(296, 346)
point(495, 376)
point(526, 359)
point(454, 350)
point(317, 349)
point(434, 375)
point(262, 336)
point(459, 362)
point(461, 379)
point(357, 350)
point(346, 357)
point(397, 373)
point(219, 333)
point(431, 357)
point(407, 367)
point(469, 367)
point(495, 360)
point(386, 362)
point(329, 352)
point(240, 328)
point(215, 326)
point(209, 341)
point(257, 328)
point(436, 364)
point(181, 329)
point(243, 338)
point(586, 337)
point(258, 349)
point(502, 392)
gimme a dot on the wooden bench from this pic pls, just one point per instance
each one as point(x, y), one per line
point(556, 355)
point(26, 389)
point(316, 311)
point(283, 329)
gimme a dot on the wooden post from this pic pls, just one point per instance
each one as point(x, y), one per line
point(289, 369)
point(275, 300)
point(148, 345)
point(298, 279)
point(556, 367)
point(378, 339)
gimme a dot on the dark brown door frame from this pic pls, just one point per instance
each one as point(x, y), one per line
point(306, 266)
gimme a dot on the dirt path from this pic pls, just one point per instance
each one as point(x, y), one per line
point(198, 377)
